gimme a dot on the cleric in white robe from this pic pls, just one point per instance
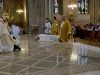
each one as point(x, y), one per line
point(6, 41)
point(16, 32)
point(47, 29)
point(12, 28)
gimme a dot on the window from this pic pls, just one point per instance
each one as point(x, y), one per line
point(56, 10)
point(83, 6)
point(1, 5)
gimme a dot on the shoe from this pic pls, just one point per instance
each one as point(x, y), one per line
point(16, 47)
point(1, 52)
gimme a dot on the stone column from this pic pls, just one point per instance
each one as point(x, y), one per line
point(96, 3)
point(46, 8)
point(94, 11)
point(50, 8)
point(91, 11)
point(25, 14)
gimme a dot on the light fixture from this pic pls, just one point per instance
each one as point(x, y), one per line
point(19, 10)
point(72, 5)
point(99, 12)
point(99, 15)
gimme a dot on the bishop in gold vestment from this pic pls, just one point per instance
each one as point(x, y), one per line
point(66, 30)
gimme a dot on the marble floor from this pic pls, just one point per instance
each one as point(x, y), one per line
point(50, 58)
point(92, 43)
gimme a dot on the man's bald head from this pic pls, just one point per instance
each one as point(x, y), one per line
point(63, 17)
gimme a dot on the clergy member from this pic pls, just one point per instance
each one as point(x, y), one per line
point(66, 30)
point(6, 41)
point(47, 28)
point(55, 27)
point(16, 32)
point(12, 27)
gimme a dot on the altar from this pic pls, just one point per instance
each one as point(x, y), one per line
point(34, 29)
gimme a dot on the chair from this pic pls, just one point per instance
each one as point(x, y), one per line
point(91, 38)
point(92, 33)
point(98, 37)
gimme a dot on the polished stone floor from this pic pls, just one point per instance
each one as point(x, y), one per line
point(49, 58)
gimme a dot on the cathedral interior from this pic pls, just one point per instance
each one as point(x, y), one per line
point(52, 57)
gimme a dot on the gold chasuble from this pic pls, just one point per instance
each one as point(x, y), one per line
point(70, 35)
point(55, 28)
point(66, 31)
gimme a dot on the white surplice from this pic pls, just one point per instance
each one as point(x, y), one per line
point(12, 27)
point(6, 42)
point(44, 37)
point(16, 31)
point(47, 28)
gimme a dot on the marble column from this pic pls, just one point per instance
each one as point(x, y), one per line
point(91, 11)
point(46, 8)
point(97, 2)
point(94, 11)
point(25, 14)
point(50, 8)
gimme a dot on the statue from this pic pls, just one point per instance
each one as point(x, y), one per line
point(71, 15)
point(99, 15)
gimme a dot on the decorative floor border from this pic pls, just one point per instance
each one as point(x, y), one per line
point(70, 70)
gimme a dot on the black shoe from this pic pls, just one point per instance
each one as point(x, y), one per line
point(74, 40)
point(16, 47)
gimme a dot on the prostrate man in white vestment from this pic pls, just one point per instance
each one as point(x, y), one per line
point(6, 41)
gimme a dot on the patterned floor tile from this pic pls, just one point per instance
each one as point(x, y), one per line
point(31, 70)
point(65, 65)
point(46, 53)
point(56, 59)
point(46, 64)
point(4, 74)
point(2, 64)
point(27, 62)
point(13, 69)
point(40, 57)
point(23, 55)
point(62, 54)
point(11, 60)
point(34, 51)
